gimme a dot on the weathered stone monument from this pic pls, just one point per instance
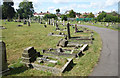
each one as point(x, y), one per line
point(3, 59)
point(68, 30)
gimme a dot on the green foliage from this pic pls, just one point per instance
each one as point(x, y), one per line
point(50, 16)
point(91, 15)
point(79, 14)
point(104, 17)
point(64, 17)
point(101, 16)
point(71, 14)
point(8, 11)
point(85, 16)
point(25, 9)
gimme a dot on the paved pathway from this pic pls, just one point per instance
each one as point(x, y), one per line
point(108, 63)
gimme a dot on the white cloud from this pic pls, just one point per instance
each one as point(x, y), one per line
point(111, 2)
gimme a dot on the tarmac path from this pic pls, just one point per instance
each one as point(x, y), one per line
point(108, 62)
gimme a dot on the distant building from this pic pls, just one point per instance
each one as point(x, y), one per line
point(41, 14)
point(85, 13)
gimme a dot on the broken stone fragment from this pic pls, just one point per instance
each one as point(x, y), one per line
point(59, 50)
point(63, 43)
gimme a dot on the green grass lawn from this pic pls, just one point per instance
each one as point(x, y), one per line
point(19, 38)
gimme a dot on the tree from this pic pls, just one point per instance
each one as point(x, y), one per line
point(8, 11)
point(91, 15)
point(78, 14)
point(64, 17)
point(50, 16)
point(101, 16)
point(25, 9)
point(57, 11)
point(85, 16)
point(71, 14)
point(114, 13)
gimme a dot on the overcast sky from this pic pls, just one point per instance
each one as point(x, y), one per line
point(77, 5)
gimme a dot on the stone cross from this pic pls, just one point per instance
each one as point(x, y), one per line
point(68, 30)
point(3, 59)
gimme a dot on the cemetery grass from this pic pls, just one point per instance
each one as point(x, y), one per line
point(113, 27)
point(19, 38)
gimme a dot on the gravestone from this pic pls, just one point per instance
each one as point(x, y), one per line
point(18, 17)
point(63, 22)
point(49, 21)
point(107, 24)
point(46, 23)
point(76, 28)
point(59, 50)
point(29, 55)
point(25, 21)
point(79, 22)
point(29, 19)
point(3, 59)
point(53, 24)
point(68, 30)
point(28, 23)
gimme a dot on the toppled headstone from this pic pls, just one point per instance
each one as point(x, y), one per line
point(1, 27)
point(19, 25)
point(50, 34)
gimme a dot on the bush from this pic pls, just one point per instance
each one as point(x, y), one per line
point(50, 16)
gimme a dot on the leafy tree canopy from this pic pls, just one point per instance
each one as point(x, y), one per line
point(50, 16)
point(64, 17)
point(25, 9)
point(71, 14)
point(91, 15)
point(8, 11)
